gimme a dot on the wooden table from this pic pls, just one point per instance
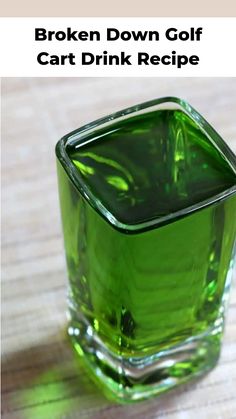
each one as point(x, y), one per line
point(41, 378)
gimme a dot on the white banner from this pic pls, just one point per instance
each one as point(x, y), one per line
point(135, 47)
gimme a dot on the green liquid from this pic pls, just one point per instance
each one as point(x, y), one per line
point(148, 291)
point(151, 166)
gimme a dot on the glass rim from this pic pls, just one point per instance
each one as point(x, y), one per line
point(79, 136)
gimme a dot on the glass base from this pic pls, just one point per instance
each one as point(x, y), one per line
point(129, 379)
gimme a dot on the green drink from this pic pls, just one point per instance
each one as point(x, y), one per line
point(149, 218)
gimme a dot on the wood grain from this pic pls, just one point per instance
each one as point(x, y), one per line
point(40, 376)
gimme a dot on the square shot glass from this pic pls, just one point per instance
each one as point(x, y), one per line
point(148, 204)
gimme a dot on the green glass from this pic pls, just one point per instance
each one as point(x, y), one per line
point(148, 202)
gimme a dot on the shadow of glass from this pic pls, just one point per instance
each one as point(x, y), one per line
point(49, 381)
